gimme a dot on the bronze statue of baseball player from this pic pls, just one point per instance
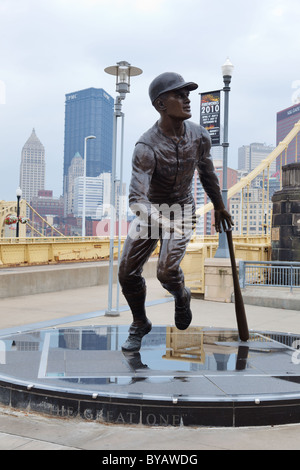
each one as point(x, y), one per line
point(164, 162)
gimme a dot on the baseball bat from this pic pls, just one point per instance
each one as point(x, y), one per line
point(238, 298)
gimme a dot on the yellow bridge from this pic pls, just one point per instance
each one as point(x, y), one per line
point(38, 249)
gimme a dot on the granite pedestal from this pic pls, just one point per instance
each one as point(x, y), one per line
point(200, 377)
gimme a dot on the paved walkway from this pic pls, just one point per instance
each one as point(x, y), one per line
point(29, 431)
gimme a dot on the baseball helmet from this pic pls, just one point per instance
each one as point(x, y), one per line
point(168, 81)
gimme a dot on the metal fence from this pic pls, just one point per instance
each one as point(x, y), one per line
point(269, 273)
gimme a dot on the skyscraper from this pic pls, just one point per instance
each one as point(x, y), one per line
point(32, 170)
point(76, 169)
point(250, 156)
point(285, 123)
point(93, 197)
point(89, 112)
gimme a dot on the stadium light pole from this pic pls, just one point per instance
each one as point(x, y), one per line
point(227, 71)
point(122, 71)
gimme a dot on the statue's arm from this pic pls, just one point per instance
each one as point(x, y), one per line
point(211, 185)
point(143, 167)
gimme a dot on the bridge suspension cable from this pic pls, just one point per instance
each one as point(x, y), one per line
point(44, 221)
point(265, 164)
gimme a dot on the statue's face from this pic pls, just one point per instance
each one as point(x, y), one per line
point(177, 104)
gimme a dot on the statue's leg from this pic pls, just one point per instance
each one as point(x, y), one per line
point(135, 254)
point(171, 277)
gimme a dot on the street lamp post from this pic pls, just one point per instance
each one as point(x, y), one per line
point(19, 195)
point(84, 183)
point(122, 71)
point(227, 70)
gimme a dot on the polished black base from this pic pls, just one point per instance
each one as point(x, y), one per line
point(197, 377)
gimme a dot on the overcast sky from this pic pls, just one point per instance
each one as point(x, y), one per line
point(52, 47)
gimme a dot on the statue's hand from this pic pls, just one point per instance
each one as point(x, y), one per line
point(223, 220)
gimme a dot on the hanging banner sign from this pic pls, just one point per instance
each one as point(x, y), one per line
point(210, 115)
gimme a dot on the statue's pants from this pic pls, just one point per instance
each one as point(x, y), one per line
point(136, 253)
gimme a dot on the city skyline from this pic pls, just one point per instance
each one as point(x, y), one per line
point(38, 67)
point(261, 151)
point(214, 151)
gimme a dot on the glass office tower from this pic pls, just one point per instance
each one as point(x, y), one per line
point(89, 112)
point(286, 120)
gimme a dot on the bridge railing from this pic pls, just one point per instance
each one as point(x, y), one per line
point(270, 274)
point(256, 248)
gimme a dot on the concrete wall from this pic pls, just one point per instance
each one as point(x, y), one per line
point(41, 279)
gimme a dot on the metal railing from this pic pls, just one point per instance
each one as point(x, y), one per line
point(269, 273)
